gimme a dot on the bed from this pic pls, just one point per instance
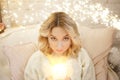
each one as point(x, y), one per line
point(18, 44)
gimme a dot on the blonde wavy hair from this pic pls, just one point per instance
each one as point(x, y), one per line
point(59, 19)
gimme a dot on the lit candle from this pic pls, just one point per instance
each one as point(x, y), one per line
point(2, 27)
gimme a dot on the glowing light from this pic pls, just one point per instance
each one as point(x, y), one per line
point(20, 3)
point(15, 15)
point(116, 24)
point(59, 71)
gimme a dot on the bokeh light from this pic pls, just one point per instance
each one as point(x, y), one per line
point(27, 12)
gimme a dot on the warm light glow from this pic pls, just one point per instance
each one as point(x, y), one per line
point(59, 71)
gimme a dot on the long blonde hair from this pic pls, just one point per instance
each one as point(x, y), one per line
point(59, 19)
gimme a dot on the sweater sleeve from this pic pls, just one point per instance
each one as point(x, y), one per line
point(88, 72)
point(33, 70)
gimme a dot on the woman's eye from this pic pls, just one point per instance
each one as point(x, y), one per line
point(53, 38)
point(66, 38)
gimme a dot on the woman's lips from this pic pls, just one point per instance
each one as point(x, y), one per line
point(59, 50)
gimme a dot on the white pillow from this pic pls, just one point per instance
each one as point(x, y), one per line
point(24, 34)
point(96, 40)
point(5, 73)
point(18, 56)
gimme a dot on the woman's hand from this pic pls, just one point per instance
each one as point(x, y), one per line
point(67, 78)
point(50, 78)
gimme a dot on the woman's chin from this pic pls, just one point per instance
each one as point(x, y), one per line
point(59, 52)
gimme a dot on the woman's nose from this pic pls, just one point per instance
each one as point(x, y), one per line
point(59, 44)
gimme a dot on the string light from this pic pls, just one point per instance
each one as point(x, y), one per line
point(25, 12)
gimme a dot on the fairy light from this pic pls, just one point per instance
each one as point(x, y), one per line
point(32, 12)
point(15, 15)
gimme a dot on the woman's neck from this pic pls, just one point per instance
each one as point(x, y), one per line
point(55, 59)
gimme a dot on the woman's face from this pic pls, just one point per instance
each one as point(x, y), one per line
point(59, 40)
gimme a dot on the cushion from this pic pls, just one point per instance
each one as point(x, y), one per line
point(4, 67)
point(96, 40)
point(13, 36)
point(18, 56)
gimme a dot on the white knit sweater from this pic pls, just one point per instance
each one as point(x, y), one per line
point(38, 67)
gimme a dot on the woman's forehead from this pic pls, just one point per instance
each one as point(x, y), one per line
point(58, 31)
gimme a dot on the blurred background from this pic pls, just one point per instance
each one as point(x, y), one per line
point(89, 13)
point(16, 13)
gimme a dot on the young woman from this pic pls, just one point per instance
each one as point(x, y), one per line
point(60, 55)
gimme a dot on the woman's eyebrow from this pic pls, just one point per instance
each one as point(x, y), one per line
point(52, 35)
point(56, 36)
point(66, 35)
